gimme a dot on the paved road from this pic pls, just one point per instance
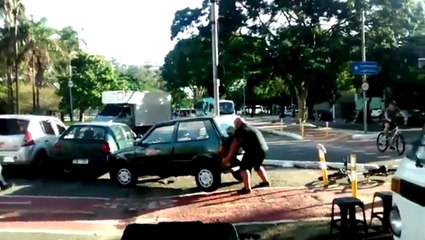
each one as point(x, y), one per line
point(103, 209)
point(336, 150)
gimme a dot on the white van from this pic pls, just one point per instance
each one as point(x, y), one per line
point(407, 218)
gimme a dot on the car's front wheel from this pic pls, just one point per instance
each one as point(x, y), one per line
point(124, 175)
point(208, 178)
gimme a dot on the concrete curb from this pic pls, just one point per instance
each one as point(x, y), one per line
point(284, 134)
point(315, 165)
point(365, 136)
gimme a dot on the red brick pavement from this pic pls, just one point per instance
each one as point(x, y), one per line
point(110, 216)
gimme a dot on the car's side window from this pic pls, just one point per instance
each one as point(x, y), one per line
point(129, 134)
point(60, 128)
point(119, 135)
point(192, 131)
point(48, 128)
point(163, 134)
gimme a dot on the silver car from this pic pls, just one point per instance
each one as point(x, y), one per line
point(28, 139)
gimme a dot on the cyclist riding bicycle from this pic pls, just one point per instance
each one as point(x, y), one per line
point(390, 115)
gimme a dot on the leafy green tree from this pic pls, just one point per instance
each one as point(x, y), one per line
point(141, 77)
point(187, 65)
point(37, 55)
point(91, 76)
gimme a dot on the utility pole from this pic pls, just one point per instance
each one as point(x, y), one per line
point(16, 69)
point(214, 40)
point(70, 86)
point(365, 108)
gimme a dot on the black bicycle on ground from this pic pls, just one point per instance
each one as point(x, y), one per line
point(345, 172)
point(394, 141)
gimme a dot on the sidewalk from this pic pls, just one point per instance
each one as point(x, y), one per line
point(296, 196)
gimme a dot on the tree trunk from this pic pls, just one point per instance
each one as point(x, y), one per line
point(82, 115)
point(10, 88)
point(34, 106)
point(302, 104)
point(38, 83)
point(37, 96)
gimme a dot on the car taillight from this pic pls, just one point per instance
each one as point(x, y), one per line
point(57, 147)
point(105, 148)
point(28, 141)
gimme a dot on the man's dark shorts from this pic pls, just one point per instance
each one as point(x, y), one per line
point(252, 160)
point(393, 124)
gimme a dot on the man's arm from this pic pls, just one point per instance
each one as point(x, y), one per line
point(386, 115)
point(403, 114)
point(234, 147)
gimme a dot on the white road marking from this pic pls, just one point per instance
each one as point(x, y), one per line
point(61, 232)
point(54, 197)
point(16, 203)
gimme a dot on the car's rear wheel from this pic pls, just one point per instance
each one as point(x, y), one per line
point(208, 178)
point(237, 176)
point(124, 175)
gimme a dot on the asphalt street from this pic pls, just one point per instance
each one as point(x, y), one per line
point(299, 150)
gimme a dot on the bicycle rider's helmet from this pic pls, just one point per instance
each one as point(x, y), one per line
point(394, 103)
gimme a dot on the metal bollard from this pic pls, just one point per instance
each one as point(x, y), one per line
point(327, 129)
point(281, 124)
point(302, 127)
point(353, 162)
point(322, 152)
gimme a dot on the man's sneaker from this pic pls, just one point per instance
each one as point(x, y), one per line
point(263, 185)
point(244, 191)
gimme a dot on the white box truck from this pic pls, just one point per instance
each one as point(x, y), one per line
point(139, 110)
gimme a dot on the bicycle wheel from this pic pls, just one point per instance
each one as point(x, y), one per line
point(382, 142)
point(400, 144)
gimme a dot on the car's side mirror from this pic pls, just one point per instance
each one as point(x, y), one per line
point(138, 136)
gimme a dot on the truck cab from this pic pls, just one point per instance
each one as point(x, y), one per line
point(408, 187)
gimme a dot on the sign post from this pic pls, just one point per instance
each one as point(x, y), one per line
point(71, 108)
point(365, 68)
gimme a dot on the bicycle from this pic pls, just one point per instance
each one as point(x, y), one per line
point(345, 172)
point(392, 141)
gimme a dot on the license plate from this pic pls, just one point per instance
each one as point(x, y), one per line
point(8, 159)
point(80, 161)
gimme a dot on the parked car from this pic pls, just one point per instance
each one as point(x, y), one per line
point(415, 117)
point(179, 147)
point(86, 146)
point(377, 113)
point(408, 185)
point(26, 140)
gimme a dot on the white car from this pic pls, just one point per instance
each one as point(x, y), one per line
point(408, 187)
point(377, 113)
point(28, 139)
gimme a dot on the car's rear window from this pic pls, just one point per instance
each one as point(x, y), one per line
point(13, 126)
point(85, 133)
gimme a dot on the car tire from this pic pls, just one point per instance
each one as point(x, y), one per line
point(208, 178)
point(39, 166)
point(124, 175)
point(237, 176)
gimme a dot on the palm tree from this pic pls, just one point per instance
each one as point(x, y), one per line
point(12, 12)
point(70, 46)
point(37, 55)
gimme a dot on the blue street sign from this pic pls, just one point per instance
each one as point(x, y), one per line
point(368, 68)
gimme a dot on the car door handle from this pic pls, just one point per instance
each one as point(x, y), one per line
point(46, 141)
